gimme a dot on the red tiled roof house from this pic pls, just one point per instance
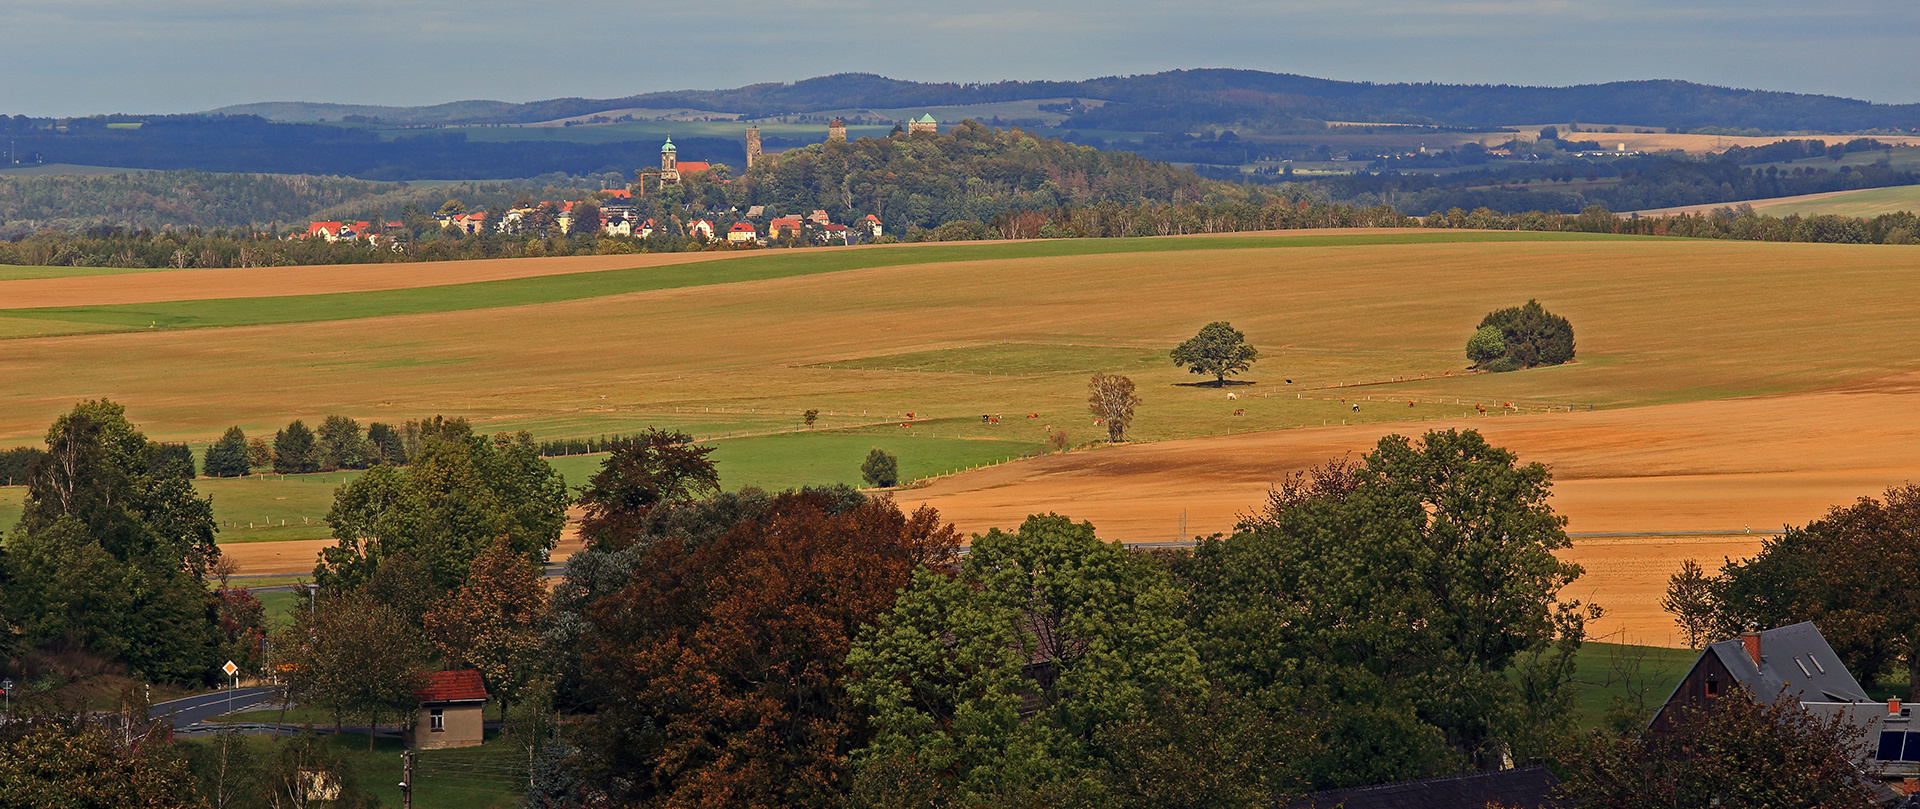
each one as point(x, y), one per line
point(450, 707)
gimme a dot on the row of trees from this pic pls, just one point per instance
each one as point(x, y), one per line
point(820, 648)
point(1379, 620)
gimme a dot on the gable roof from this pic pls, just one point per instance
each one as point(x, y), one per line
point(693, 166)
point(1795, 662)
point(925, 118)
point(1529, 787)
point(453, 686)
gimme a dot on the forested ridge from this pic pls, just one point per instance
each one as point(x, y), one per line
point(1193, 100)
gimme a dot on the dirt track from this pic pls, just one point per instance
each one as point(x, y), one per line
point(1715, 467)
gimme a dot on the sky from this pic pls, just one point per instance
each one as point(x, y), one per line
point(83, 57)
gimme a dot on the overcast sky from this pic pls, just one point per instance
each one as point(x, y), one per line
point(80, 57)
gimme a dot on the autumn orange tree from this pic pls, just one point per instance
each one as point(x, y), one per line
point(493, 623)
point(724, 663)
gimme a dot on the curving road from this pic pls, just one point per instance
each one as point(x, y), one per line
point(194, 710)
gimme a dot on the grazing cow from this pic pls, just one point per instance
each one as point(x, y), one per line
point(984, 418)
point(1289, 381)
point(1033, 415)
point(1356, 407)
point(1233, 396)
point(909, 415)
point(994, 420)
point(1409, 402)
point(1482, 408)
point(1098, 422)
point(1240, 411)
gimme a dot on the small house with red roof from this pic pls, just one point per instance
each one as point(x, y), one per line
point(701, 229)
point(324, 230)
point(872, 224)
point(450, 706)
point(742, 233)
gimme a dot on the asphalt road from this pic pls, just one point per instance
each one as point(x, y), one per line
point(193, 710)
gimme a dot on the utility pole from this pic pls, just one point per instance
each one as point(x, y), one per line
point(406, 779)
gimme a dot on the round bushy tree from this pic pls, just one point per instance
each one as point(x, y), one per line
point(1532, 335)
point(1486, 345)
point(1219, 350)
point(881, 468)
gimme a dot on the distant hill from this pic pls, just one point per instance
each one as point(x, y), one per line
point(1194, 100)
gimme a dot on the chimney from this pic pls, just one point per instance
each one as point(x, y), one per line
point(1751, 639)
point(1893, 706)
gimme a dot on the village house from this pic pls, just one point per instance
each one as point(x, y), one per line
point(742, 233)
point(1796, 663)
point(451, 703)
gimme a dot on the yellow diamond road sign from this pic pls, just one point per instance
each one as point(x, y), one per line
point(230, 668)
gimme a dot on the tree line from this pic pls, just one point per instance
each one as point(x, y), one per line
point(1376, 620)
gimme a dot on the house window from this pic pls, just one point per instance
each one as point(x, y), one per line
point(436, 719)
point(1890, 741)
point(1713, 688)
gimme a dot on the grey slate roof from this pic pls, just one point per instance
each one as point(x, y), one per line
point(1525, 788)
point(1795, 661)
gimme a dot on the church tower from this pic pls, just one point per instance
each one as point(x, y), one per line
point(669, 163)
point(753, 145)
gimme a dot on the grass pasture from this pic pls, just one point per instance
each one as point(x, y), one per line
point(1866, 203)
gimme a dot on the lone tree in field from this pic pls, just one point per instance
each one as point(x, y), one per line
point(881, 468)
point(1111, 399)
point(1521, 337)
point(1219, 349)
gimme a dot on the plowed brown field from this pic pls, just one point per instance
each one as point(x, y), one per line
point(1718, 467)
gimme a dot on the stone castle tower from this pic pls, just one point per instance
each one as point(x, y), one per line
point(837, 131)
point(753, 145)
point(924, 123)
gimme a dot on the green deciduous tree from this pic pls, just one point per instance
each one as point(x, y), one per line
point(72, 763)
point(111, 550)
point(1111, 399)
point(1389, 600)
point(1731, 751)
point(227, 457)
point(1486, 345)
point(880, 469)
point(294, 451)
point(1831, 571)
point(1219, 350)
point(354, 657)
point(997, 681)
point(653, 469)
point(1532, 335)
point(340, 445)
point(460, 494)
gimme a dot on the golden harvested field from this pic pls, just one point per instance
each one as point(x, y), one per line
point(1734, 384)
point(192, 285)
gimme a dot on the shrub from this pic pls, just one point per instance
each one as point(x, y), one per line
point(1533, 336)
point(1486, 345)
point(881, 469)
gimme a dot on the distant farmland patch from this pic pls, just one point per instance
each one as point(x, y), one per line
point(1009, 359)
